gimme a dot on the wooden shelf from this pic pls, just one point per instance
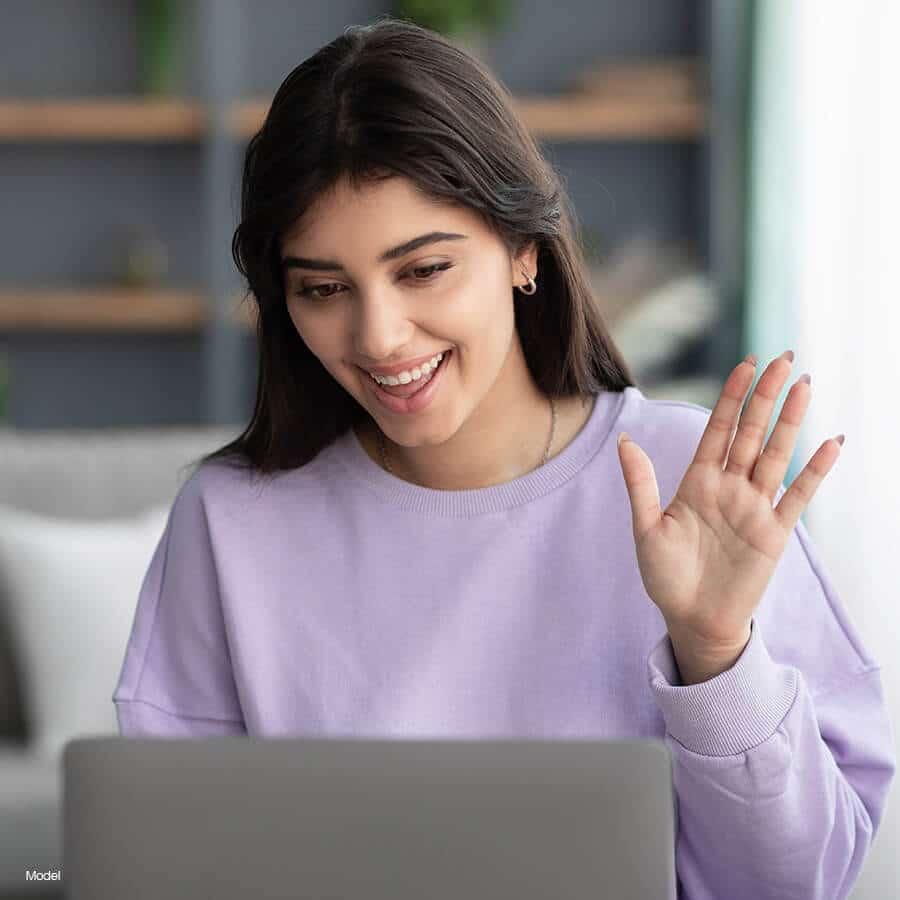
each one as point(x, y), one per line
point(586, 117)
point(113, 309)
point(102, 309)
point(101, 119)
point(571, 117)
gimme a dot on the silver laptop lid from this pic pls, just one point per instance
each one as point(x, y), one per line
point(238, 817)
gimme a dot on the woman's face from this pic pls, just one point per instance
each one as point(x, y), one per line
point(359, 304)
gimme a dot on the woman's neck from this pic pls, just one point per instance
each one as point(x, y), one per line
point(495, 455)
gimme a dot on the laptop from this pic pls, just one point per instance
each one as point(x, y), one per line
point(367, 819)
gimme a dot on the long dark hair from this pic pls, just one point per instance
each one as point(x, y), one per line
point(385, 99)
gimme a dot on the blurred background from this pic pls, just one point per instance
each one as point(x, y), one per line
point(733, 167)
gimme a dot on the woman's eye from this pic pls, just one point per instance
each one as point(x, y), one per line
point(309, 291)
point(430, 270)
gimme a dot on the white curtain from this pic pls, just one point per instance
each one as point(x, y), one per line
point(824, 280)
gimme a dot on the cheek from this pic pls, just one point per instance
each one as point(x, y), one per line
point(475, 303)
point(490, 313)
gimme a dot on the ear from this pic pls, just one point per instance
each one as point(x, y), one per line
point(526, 259)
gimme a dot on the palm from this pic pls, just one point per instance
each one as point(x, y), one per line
point(706, 560)
point(712, 553)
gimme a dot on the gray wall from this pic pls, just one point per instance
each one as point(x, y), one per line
point(65, 207)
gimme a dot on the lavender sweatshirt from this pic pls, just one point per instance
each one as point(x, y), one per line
point(336, 599)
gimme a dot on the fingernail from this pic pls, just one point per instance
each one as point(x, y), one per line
point(788, 355)
point(623, 437)
point(751, 359)
point(840, 439)
point(805, 377)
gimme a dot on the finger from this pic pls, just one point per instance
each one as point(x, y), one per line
point(755, 421)
point(772, 465)
point(716, 436)
point(640, 481)
point(796, 498)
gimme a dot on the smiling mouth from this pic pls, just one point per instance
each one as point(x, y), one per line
point(405, 391)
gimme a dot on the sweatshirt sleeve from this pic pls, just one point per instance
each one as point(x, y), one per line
point(781, 774)
point(176, 678)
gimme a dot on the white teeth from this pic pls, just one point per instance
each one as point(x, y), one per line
point(408, 376)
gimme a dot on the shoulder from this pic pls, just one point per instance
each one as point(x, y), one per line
point(234, 501)
point(218, 488)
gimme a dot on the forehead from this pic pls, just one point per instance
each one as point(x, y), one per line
point(376, 214)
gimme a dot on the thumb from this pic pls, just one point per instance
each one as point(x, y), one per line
point(640, 481)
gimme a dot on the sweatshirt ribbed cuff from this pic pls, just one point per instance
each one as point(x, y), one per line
point(733, 712)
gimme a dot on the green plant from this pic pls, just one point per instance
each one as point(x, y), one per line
point(160, 32)
point(452, 17)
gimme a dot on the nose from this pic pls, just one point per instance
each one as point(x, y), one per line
point(381, 328)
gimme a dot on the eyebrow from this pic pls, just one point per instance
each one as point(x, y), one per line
point(300, 262)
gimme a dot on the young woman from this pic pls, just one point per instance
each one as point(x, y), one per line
point(428, 528)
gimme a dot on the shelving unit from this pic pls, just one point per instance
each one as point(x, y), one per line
point(138, 120)
point(214, 122)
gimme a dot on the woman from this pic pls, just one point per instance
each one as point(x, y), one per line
point(446, 551)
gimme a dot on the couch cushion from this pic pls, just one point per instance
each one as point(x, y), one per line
point(70, 587)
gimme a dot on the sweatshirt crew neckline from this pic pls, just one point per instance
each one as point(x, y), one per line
point(353, 457)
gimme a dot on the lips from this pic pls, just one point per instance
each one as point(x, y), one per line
point(405, 367)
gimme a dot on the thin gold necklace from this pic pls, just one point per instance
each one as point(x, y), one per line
point(546, 456)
